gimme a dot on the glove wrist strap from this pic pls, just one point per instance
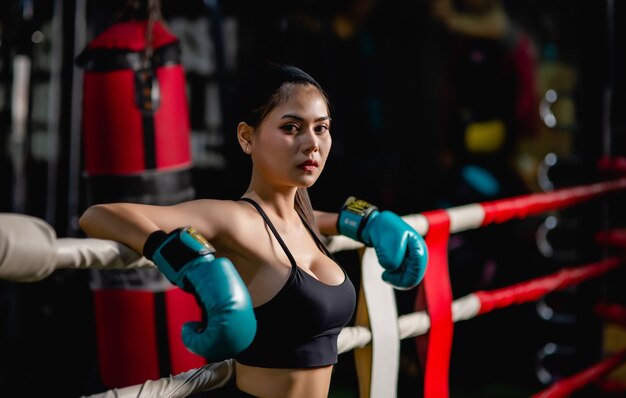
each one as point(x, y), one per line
point(153, 242)
point(177, 251)
point(353, 217)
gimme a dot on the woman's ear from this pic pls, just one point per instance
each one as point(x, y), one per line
point(244, 136)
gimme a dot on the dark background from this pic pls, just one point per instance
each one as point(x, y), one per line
point(389, 83)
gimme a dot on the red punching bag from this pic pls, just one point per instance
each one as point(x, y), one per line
point(135, 116)
point(136, 138)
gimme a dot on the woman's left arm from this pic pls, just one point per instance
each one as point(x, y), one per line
point(327, 222)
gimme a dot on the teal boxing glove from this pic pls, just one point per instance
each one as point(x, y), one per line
point(401, 251)
point(186, 259)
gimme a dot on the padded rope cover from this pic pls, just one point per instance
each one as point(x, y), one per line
point(27, 248)
point(206, 378)
point(30, 251)
point(215, 375)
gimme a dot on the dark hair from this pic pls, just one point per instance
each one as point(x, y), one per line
point(264, 87)
point(261, 90)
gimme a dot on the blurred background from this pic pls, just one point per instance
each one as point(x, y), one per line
point(436, 103)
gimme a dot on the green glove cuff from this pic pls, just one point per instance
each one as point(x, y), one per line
point(354, 215)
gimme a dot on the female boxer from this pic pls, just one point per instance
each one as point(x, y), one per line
point(275, 299)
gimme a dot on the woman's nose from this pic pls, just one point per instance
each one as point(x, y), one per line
point(310, 141)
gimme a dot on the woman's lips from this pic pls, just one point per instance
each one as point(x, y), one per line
point(308, 165)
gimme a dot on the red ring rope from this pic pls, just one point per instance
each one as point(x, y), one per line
point(499, 211)
point(539, 287)
point(565, 387)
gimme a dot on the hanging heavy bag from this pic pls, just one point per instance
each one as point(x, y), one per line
point(136, 131)
point(136, 143)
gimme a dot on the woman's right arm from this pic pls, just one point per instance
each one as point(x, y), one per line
point(127, 223)
point(132, 223)
point(229, 325)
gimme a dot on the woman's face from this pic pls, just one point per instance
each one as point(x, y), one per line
point(291, 145)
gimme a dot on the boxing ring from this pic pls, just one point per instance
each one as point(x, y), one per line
point(378, 329)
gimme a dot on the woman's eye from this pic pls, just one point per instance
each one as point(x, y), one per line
point(321, 129)
point(290, 128)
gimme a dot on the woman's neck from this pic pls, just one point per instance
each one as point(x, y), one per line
point(280, 204)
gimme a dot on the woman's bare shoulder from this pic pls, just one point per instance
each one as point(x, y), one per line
point(214, 217)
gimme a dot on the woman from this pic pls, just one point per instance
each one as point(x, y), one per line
point(301, 297)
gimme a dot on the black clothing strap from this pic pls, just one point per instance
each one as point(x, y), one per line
point(317, 240)
point(274, 231)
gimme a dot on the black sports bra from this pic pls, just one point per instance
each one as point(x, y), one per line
point(298, 327)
